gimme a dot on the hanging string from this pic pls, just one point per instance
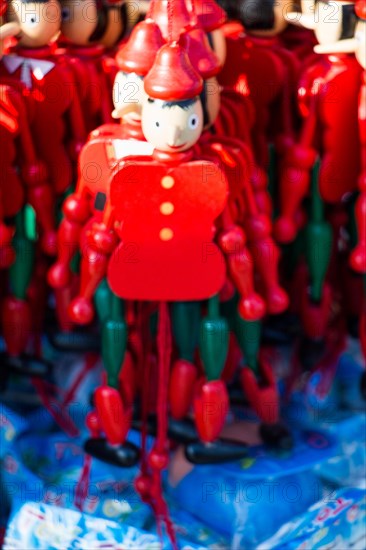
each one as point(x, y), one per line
point(194, 13)
point(151, 9)
point(170, 20)
point(161, 442)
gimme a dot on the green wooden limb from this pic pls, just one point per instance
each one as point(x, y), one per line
point(318, 241)
point(248, 334)
point(22, 269)
point(214, 341)
point(186, 325)
point(114, 343)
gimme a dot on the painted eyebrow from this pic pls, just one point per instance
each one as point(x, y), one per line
point(182, 104)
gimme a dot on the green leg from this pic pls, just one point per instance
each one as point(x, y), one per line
point(186, 325)
point(248, 334)
point(318, 241)
point(114, 339)
point(214, 340)
point(22, 269)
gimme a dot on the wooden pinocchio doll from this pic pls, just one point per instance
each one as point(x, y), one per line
point(328, 101)
point(56, 132)
point(245, 236)
point(56, 125)
point(85, 207)
point(106, 145)
point(357, 45)
point(27, 173)
point(9, 131)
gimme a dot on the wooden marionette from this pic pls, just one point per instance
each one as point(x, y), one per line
point(174, 137)
point(186, 315)
point(56, 125)
point(11, 111)
point(357, 45)
point(328, 98)
point(106, 145)
point(255, 43)
point(260, 254)
point(89, 47)
point(27, 173)
point(56, 132)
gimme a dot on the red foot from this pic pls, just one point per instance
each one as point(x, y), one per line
point(182, 381)
point(113, 418)
point(211, 405)
point(262, 398)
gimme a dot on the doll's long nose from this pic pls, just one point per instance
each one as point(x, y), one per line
point(174, 135)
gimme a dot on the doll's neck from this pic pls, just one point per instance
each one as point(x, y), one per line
point(34, 53)
point(94, 50)
point(132, 129)
point(173, 158)
point(263, 41)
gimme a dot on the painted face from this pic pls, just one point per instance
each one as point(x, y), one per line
point(329, 21)
point(79, 20)
point(128, 95)
point(172, 126)
point(39, 22)
point(360, 36)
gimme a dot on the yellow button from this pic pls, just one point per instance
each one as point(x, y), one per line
point(166, 234)
point(167, 208)
point(167, 182)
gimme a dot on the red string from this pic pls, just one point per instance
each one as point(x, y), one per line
point(143, 326)
point(82, 487)
point(194, 13)
point(151, 9)
point(161, 443)
point(164, 353)
point(62, 419)
point(90, 361)
point(170, 20)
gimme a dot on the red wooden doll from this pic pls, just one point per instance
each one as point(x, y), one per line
point(106, 145)
point(56, 123)
point(357, 45)
point(328, 100)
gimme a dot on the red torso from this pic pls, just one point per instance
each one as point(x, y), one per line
point(98, 158)
point(263, 69)
point(94, 73)
point(11, 121)
point(335, 80)
point(167, 256)
point(49, 98)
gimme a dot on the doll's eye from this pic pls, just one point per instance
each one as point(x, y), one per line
point(65, 14)
point(157, 124)
point(31, 18)
point(193, 122)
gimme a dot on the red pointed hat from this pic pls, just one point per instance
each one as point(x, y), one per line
point(172, 76)
point(360, 9)
point(209, 14)
point(200, 54)
point(181, 19)
point(3, 6)
point(138, 55)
